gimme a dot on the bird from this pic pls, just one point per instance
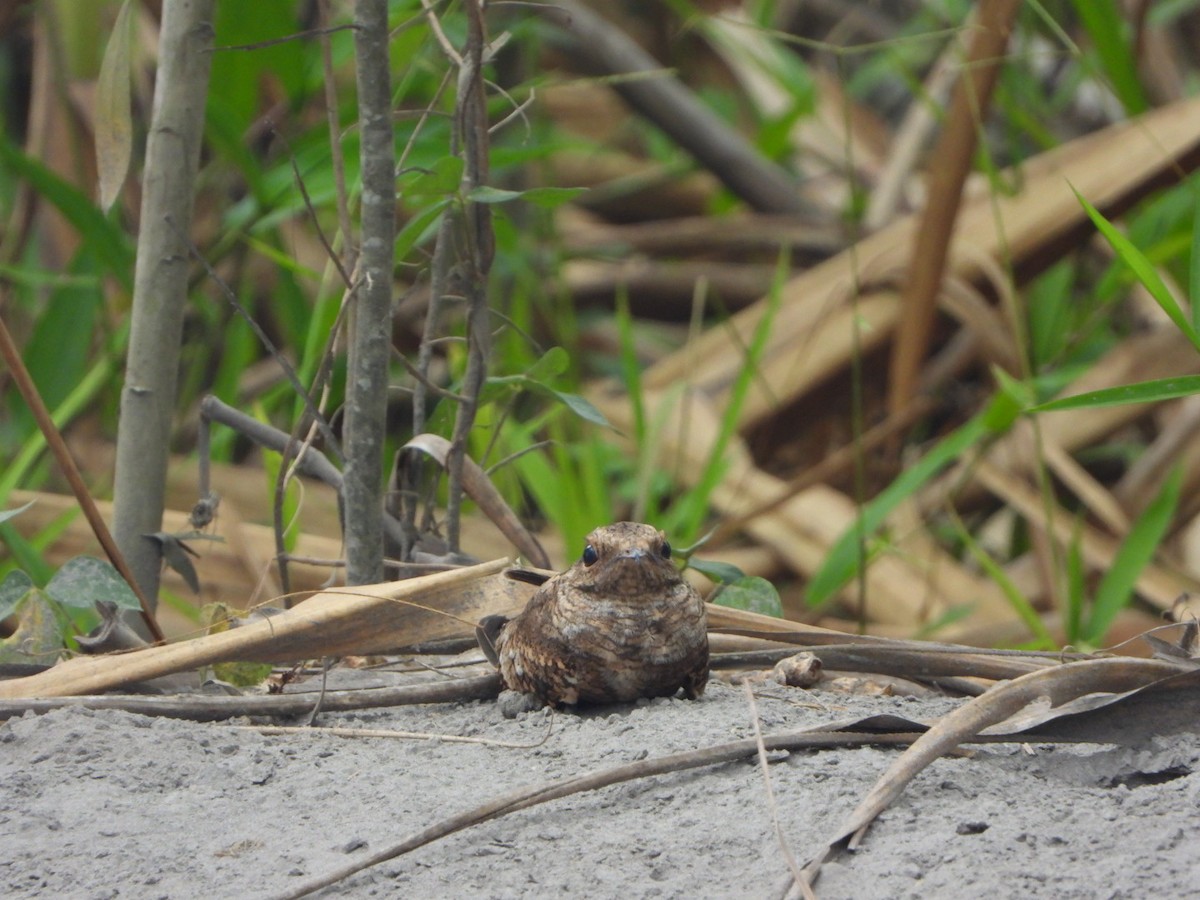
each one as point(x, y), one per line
point(619, 624)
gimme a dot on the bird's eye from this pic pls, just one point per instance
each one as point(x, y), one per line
point(665, 550)
point(590, 555)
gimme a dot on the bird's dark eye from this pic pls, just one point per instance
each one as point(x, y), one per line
point(665, 550)
point(590, 555)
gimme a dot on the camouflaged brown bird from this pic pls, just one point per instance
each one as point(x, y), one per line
point(618, 625)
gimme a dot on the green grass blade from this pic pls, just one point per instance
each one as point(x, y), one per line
point(1017, 600)
point(1103, 22)
point(1141, 392)
point(26, 556)
point(1076, 586)
point(60, 348)
point(842, 563)
point(1143, 269)
point(1116, 589)
point(631, 370)
point(108, 242)
point(81, 396)
point(695, 505)
point(1194, 271)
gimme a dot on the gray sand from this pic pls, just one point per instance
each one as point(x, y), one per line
point(109, 804)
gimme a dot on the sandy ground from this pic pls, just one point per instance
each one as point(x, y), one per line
point(109, 804)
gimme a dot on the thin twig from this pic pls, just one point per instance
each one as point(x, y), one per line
point(422, 379)
point(337, 261)
point(439, 274)
point(337, 157)
point(335, 731)
point(296, 36)
point(474, 256)
point(205, 708)
point(514, 456)
point(789, 857)
point(911, 136)
point(665, 101)
point(310, 462)
point(517, 112)
point(288, 370)
point(54, 440)
point(288, 463)
point(524, 798)
point(436, 27)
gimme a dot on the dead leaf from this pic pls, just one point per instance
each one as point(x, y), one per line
point(369, 618)
point(114, 127)
point(1032, 699)
point(38, 639)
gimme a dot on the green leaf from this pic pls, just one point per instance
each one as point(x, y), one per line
point(1141, 392)
point(1051, 307)
point(1194, 269)
point(1116, 589)
point(83, 394)
point(419, 228)
point(550, 197)
point(1001, 416)
point(690, 512)
point(237, 78)
point(1143, 269)
point(753, 594)
point(1014, 595)
point(487, 194)
point(63, 342)
point(582, 407)
point(114, 128)
point(1076, 585)
point(25, 554)
point(1103, 22)
point(552, 363)
point(7, 514)
point(631, 368)
point(109, 243)
point(243, 674)
point(13, 588)
point(543, 196)
point(441, 180)
point(720, 572)
point(843, 560)
point(85, 581)
point(1006, 407)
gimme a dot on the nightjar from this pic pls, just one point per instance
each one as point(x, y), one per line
point(620, 624)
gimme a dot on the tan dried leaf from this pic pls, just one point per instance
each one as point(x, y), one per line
point(114, 127)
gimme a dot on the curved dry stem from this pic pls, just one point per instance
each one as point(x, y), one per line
point(1055, 686)
point(524, 798)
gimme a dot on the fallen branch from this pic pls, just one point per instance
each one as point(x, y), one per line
point(663, 100)
point(205, 708)
point(1029, 701)
point(524, 798)
point(365, 619)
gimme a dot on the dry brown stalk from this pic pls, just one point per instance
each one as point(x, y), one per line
point(1026, 232)
point(663, 99)
point(952, 159)
point(363, 619)
point(54, 439)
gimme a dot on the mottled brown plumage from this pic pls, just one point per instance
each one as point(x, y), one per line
point(618, 625)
